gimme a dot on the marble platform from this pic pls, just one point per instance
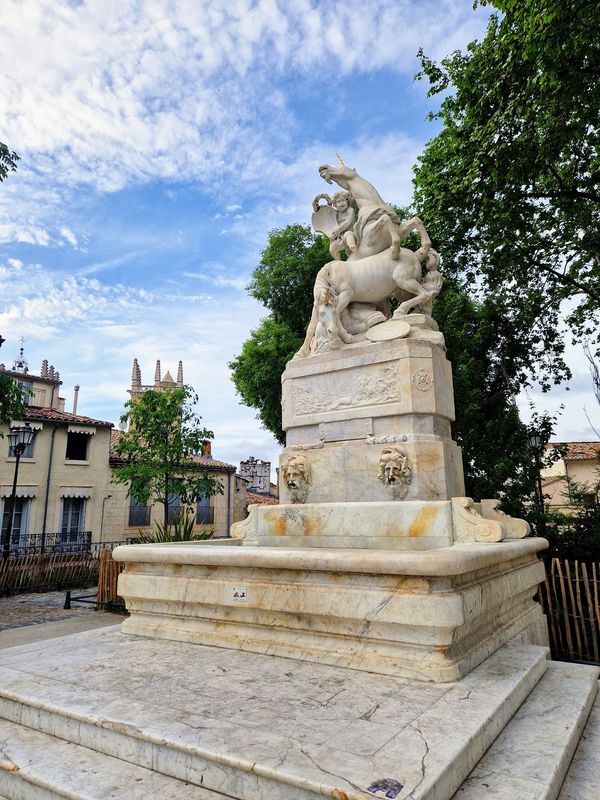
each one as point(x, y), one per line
point(432, 615)
point(106, 715)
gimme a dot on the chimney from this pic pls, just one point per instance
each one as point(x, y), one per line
point(157, 373)
point(180, 374)
point(75, 396)
point(44, 370)
point(206, 449)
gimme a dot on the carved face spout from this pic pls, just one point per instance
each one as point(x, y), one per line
point(394, 470)
point(296, 474)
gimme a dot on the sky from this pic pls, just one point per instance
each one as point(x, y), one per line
point(161, 141)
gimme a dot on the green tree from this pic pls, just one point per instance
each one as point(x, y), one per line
point(158, 450)
point(11, 400)
point(8, 161)
point(509, 187)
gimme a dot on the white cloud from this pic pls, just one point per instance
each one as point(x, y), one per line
point(28, 234)
point(70, 237)
point(112, 94)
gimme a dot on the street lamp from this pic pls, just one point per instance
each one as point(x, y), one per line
point(19, 440)
point(535, 444)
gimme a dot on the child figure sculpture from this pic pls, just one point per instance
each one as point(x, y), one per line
point(342, 237)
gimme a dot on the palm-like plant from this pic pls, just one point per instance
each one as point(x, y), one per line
point(180, 530)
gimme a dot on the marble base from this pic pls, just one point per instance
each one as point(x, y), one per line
point(131, 717)
point(431, 616)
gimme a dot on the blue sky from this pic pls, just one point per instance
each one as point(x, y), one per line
point(160, 142)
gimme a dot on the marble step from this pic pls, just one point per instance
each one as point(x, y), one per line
point(530, 758)
point(35, 766)
point(583, 778)
point(258, 727)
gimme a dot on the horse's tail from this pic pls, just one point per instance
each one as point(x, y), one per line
point(429, 257)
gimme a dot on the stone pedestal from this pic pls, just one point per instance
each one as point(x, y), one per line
point(342, 408)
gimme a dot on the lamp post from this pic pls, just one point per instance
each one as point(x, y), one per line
point(535, 443)
point(19, 440)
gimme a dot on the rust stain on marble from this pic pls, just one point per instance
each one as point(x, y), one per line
point(309, 526)
point(422, 522)
point(7, 765)
point(340, 794)
point(278, 525)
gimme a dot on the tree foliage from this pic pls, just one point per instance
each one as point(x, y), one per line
point(159, 448)
point(509, 188)
point(11, 399)
point(497, 455)
point(8, 161)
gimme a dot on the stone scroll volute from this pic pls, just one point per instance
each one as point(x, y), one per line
point(470, 526)
point(515, 528)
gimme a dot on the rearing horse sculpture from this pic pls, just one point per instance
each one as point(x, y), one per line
point(351, 296)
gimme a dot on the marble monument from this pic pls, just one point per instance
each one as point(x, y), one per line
point(374, 559)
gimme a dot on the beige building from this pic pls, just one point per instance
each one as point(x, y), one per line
point(64, 473)
point(65, 490)
point(580, 462)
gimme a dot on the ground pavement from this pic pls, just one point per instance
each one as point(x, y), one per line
point(26, 618)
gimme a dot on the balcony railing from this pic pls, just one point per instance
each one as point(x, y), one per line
point(55, 542)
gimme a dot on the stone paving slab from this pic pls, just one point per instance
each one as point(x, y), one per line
point(52, 773)
point(530, 758)
point(583, 778)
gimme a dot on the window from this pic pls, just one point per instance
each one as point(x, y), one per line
point(73, 513)
point(77, 446)
point(205, 513)
point(27, 391)
point(139, 514)
point(28, 452)
point(20, 520)
point(174, 507)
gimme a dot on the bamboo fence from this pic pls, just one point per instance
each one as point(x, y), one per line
point(569, 596)
point(108, 574)
point(36, 572)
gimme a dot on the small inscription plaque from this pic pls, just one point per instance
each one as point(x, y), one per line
point(239, 594)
